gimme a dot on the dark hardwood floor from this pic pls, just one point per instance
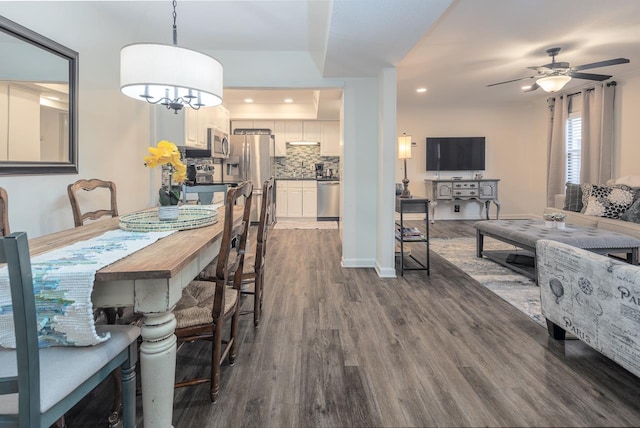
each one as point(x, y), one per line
point(344, 348)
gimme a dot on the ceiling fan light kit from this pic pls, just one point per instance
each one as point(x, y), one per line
point(554, 76)
point(553, 83)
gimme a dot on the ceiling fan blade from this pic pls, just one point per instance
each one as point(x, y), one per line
point(541, 68)
point(601, 64)
point(510, 81)
point(590, 76)
point(532, 88)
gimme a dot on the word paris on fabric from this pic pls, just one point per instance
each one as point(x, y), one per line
point(62, 284)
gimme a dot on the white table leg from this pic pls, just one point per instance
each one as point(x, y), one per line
point(158, 368)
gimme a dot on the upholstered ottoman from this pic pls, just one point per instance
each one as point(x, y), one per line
point(525, 233)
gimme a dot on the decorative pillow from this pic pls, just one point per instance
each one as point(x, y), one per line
point(573, 198)
point(586, 192)
point(633, 213)
point(629, 180)
point(610, 202)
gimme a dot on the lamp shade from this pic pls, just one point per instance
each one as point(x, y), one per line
point(553, 83)
point(152, 71)
point(404, 147)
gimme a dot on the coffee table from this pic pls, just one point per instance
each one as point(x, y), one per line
point(525, 233)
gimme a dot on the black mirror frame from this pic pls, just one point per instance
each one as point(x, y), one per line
point(44, 167)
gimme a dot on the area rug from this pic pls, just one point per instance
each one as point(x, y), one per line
point(516, 289)
point(289, 224)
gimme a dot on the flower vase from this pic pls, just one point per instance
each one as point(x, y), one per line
point(560, 224)
point(168, 212)
point(549, 224)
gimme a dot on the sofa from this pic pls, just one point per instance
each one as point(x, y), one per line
point(593, 297)
point(583, 208)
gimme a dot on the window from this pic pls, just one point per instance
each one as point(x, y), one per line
point(574, 147)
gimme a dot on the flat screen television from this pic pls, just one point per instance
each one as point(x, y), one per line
point(455, 154)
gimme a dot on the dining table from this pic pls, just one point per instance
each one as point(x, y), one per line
point(151, 281)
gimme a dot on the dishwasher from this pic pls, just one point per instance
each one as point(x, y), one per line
point(328, 200)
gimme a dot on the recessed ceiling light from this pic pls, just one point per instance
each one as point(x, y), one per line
point(421, 90)
point(524, 88)
point(288, 100)
point(248, 100)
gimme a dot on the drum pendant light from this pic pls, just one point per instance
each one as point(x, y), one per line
point(170, 75)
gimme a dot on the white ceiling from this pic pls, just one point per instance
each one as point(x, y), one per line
point(454, 48)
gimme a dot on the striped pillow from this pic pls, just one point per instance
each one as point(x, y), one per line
point(573, 198)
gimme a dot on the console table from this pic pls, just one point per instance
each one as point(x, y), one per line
point(481, 190)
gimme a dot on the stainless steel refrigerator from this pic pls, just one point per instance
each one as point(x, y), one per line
point(251, 157)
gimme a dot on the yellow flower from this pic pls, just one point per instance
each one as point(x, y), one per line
point(166, 153)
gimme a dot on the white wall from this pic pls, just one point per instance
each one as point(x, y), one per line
point(385, 255)
point(360, 172)
point(515, 153)
point(626, 154)
point(516, 147)
point(113, 129)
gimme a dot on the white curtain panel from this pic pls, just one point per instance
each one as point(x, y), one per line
point(597, 133)
point(558, 114)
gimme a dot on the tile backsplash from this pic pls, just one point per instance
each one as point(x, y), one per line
point(297, 156)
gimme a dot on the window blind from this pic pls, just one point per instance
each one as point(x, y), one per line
point(574, 147)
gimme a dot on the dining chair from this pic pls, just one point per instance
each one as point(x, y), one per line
point(4, 213)
point(255, 261)
point(79, 217)
point(38, 386)
point(206, 304)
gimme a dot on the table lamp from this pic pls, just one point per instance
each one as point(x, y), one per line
point(404, 153)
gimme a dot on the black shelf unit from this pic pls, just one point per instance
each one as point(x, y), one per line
point(406, 206)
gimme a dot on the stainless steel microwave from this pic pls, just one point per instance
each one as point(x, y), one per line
point(218, 141)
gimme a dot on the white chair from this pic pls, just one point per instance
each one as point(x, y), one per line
point(38, 386)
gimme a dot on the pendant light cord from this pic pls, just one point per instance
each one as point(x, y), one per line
point(175, 28)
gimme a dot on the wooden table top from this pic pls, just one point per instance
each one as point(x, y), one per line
point(160, 260)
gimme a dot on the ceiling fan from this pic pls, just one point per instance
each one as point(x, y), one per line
point(553, 76)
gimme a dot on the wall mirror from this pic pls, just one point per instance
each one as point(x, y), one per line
point(38, 103)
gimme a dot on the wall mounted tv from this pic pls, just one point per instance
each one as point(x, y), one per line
point(455, 154)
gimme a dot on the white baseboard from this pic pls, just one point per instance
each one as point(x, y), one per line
point(385, 272)
point(358, 263)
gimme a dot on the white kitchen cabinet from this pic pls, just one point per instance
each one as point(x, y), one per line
point(280, 134)
point(191, 121)
point(330, 142)
point(281, 198)
point(293, 130)
point(189, 126)
point(241, 124)
point(253, 124)
point(309, 199)
point(294, 199)
point(263, 124)
point(221, 119)
point(312, 130)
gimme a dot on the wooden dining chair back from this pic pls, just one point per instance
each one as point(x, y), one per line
point(254, 263)
point(89, 185)
point(49, 381)
point(206, 304)
point(4, 213)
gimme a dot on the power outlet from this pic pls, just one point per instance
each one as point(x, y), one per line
point(456, 208)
